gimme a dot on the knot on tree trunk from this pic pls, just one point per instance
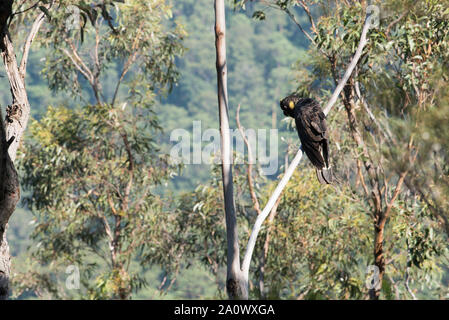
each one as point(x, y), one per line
point(235, 290)
point(13, 112)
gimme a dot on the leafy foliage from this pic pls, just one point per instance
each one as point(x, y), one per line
point(93, 172)
point(104, 33)
point(92, 175)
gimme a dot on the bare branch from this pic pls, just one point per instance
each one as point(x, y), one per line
point(26, 47)
point(271, 202)
point(292, 16)
point(27, 9)
point(385, 131)
point(250, 164)
point(362, 179)
point(277, 192)
point(80, 61)
point(131, 59)
point(395, 195)
point(266, 246)
point(309, 15)
point(391, 25)
point(85, 72)
point(108, 231)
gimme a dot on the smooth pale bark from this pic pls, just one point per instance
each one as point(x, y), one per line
point(236, 284)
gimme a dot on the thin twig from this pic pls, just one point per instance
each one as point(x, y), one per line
point(131, 59)
point(85, 72)
point(292, 16)
point(26, 47)
point(25, 10)
point(387, 32)
point(350, 69)
point(309, 15)
point(249, 171)
point(385, 130)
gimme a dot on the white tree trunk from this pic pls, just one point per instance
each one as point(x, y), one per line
point(236, 284)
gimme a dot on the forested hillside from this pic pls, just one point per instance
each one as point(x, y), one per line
point(261, 59)
point(108, 211)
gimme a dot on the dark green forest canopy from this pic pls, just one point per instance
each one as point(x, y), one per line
point(261, 55)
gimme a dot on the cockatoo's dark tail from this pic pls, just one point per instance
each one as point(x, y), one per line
point(324, 175)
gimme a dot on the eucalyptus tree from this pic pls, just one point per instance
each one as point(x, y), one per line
point(93, 172)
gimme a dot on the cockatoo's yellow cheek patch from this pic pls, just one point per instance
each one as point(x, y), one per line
point(291, 105)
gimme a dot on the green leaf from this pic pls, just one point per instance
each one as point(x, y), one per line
point(259, 15)
point(45, 10)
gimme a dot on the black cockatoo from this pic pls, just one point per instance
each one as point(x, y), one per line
point(312, 130)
